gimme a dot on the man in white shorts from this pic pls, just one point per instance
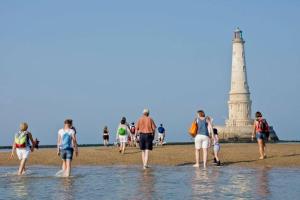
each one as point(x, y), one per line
point(161, 134)
point(202, 139)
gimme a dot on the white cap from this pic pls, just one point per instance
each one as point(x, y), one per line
point(146, 111)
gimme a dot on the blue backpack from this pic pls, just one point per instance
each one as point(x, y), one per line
point(66, 142)
point(161, 129)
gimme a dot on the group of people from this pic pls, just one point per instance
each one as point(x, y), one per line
point(127, 135)
point(205, 131)
point(143, 134)
point(23, 144)
point(145, 128)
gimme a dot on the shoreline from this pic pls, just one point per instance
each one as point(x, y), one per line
point(49, 146)
point(244, 155)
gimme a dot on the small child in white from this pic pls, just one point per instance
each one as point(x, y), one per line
point(22, 146)
point(216, 147)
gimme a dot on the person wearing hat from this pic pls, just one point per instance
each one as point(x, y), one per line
point(146, 127)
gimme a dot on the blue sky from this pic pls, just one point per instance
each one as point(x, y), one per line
point(96, 61)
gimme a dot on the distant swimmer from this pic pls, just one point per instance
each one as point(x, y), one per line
point(262, 131)
point(202, 140)
point(161, 134)
point(22, 146)
point(105, 136)
point(123, 132)
point(66, 144)
point(146, 129)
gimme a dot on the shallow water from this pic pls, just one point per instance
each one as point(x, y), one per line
point(123, 182)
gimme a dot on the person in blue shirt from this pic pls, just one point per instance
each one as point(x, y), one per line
point(161, 134)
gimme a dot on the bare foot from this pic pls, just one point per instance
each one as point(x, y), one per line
point(196, 165)
point(261, 158)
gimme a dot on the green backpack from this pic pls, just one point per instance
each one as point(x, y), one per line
point(122, 131)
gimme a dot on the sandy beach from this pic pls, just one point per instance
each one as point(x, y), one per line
point(279, 155)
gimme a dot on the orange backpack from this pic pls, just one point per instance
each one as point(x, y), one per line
point(193, 129)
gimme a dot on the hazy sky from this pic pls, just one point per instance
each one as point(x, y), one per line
point(96, 61)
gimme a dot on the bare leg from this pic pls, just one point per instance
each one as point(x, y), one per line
point(146, 157)
point(120, 147)
point(68, 168)
point(143, 158)
point(123, 147)
point(63, 167)
point(265, 149)
point(197, 157)
point(261, 148)
point(204, 157)
point(216, 155)
point(22, 167)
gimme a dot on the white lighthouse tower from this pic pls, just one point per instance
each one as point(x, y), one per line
point(239, 104)
point(239, 125)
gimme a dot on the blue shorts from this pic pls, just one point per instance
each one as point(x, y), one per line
point(261, 136)
point(66, 154)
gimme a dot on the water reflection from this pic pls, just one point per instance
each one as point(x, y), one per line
point(65, 188)
point(155, 183)
point(20, 187)
point(201, 184)
point(238, 184)
point(262, 186)
point(146, 184)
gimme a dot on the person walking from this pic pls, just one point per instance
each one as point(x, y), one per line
point(132, 135)
point(146, 129)
point(261, 130)
point(202, 139)
point(106, 136)
point(122, 135)
point(216, 148)
point(22, 146)
point(66, 144)
point(161, 134)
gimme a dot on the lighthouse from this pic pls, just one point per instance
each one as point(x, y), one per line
point(239, 125)
point(239, 104)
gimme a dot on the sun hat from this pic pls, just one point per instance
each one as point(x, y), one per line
point(146, 111)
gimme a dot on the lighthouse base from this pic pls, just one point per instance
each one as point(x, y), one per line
point(240, 133)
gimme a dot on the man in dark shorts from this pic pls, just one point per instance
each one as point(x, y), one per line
point(146, 129)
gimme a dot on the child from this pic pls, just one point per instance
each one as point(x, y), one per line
point(216, 147)
point(66, 144)
point(22, 146)
point(105, 136)
point(122, 135)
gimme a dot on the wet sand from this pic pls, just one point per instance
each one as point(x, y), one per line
point(279, 155)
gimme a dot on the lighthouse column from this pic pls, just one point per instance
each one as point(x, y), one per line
point(239, 96)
